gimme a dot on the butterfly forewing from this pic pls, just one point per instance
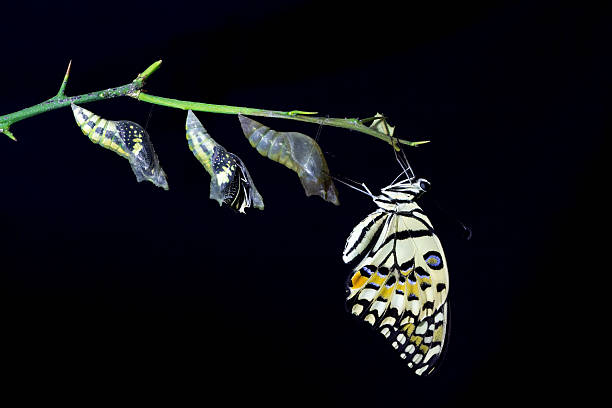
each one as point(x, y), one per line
point(400, 283)
point(360, 240)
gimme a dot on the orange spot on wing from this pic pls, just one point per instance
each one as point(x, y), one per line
point(358, 280)
point(386, 292)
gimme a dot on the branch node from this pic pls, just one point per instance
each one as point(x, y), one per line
point(134, 94)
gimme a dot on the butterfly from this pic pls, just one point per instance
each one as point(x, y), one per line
point(400, 283)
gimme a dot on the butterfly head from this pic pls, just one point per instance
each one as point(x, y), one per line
point(414, 188)
point(424, 185)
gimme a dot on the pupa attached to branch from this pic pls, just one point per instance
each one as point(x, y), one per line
point(296, 151)
point(127, 139)
point(230, 181)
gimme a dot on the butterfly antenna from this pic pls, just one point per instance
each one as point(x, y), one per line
point(466, 228)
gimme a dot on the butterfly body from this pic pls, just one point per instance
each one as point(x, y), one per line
point(400, 284)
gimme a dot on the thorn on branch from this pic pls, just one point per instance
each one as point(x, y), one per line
point(8, 133)
point(60, 94)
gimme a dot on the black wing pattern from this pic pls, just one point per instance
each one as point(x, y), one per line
point(400, 284)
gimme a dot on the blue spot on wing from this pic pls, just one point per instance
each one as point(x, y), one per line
point(433, 260)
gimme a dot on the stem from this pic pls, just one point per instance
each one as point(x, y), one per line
point(147, 72)
point(351, 124)
point(60, 100)
point(133, 89)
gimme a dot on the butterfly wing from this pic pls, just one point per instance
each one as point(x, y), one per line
point(242, 192)
point(400, 285)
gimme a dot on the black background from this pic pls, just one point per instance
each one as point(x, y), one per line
point(119, 291)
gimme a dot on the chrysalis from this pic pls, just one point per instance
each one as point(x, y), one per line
point(127, 139)
point(296, 151)
point(230, 181)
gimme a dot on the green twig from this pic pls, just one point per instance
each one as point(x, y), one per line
point(60, 100)
point(302, 116)
point(133, 89)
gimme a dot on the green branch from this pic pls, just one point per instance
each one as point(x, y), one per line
point(302, 116)
point(60, 100)
point(133, 89)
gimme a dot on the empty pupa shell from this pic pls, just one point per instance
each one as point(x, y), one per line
point(296, 151)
